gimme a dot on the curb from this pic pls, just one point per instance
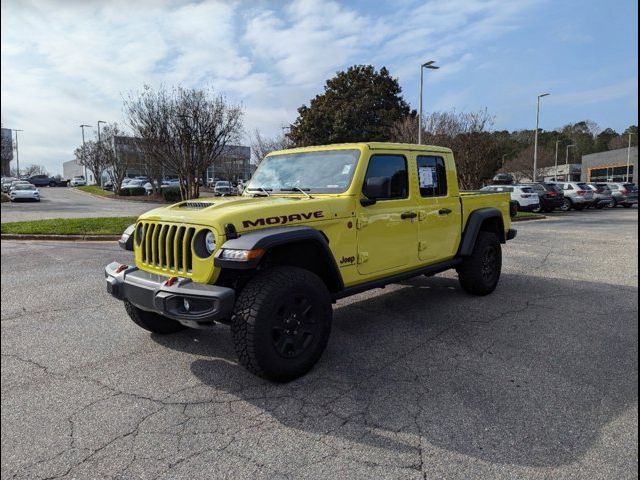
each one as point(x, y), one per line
point(18, 236)
point(528, 219)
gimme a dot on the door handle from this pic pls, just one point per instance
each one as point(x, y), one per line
point(444, 211)
point(408, 215)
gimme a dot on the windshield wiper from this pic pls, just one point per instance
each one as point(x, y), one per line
point(261, 189)
point(297, 189)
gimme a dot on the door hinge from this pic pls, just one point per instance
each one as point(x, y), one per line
point(363, 257)
point(361, 222)
point(422, 246)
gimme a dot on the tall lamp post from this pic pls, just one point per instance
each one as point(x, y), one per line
point(535, 142)
point(555, 173)
point(17, 154)
point(82, 127)
point(628, 156)
point(430, 65)
point(566, 161)
point(100, 143)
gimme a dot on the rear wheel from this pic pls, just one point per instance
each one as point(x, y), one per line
point(152, 322)
point(566, 206)
point(626, 205)
point(52, 184)
point(479, 274)
point(281, 323)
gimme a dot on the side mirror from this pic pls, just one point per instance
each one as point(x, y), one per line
point(375, 188)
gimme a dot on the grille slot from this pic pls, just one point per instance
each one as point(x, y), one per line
point(167, 247)
point(195, 205)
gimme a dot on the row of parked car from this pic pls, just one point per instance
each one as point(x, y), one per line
point(20, 189)
point(565, 196)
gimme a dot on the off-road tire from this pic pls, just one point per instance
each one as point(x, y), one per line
point(260, 326)
point(152, 322)
point(479, 274)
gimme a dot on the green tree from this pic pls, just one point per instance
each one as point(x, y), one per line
point(360, 104)
point(604, 138)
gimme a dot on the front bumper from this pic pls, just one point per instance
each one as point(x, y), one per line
point(195, 305)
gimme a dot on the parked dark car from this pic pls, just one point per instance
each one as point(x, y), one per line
point(42, 181)
point(551, 197)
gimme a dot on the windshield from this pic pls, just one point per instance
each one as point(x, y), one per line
point(319, 172)
point(25, 187)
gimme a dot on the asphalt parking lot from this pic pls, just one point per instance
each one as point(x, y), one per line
point(538, 380)
point(71, 203)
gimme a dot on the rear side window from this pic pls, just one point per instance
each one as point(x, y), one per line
point(583, 186)
point(631, 187)
point(432, 176)
point(527, 190)
point(391, 172)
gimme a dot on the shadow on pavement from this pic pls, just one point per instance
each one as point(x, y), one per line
point(529, 375)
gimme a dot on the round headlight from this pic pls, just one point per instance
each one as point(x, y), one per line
point(210, 242)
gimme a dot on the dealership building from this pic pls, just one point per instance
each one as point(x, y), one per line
point(233, 163)
point(611, 166)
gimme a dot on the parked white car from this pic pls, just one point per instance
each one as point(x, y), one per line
point(78, 181)
point(527, 198)
point(24, 191)
point(137, 184)
point(222, 187)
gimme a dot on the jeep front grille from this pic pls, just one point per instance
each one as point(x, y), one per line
point(166, 246)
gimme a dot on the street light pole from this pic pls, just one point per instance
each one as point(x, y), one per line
point(430, 65)
point(555, 173)
point(567, 177)
point(535, 142)
point(628, 156)
point(100, 144)
point(85, 167)
point(17, 153)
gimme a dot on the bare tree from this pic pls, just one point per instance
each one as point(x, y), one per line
point(6, 151)
point(183, 130)
point(116, 160)
point(478, 153)
point(261, 146)
point(31, 170)
point(89, 155)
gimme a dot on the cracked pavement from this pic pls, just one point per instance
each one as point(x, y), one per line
point(538, 380)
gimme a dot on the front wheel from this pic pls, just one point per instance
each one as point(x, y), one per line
point(152, 322)
point(281, 323)
point(479, 274)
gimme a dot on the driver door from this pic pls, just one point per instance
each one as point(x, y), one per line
point(387, 230)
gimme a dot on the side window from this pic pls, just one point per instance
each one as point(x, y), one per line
point(386, 177)
point(432, 176)
point(568, 186)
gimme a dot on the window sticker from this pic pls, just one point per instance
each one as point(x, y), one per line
point(427, 177)
point(346, 169)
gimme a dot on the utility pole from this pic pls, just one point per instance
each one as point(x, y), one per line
point(17, 154)
point(628, 156)
point(85, 167)
point(535, 143)
point(567, 176)
point(100, 146)
point(555, 173)
point(430, 65)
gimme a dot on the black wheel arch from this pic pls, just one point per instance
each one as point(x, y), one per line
point(483, 219)
point(302, 247)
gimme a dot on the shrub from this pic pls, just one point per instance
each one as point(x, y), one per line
point(133, 192)
point(171, 194)
point(5, 198)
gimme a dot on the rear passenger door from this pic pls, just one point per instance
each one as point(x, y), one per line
point(439, 213)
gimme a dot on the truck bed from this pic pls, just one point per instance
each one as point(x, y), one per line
point(471, 200)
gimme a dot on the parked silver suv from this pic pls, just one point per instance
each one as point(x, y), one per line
point(625, 194)
point(577, 195)
point(601, 195)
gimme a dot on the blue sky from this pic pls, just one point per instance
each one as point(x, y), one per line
point(67, 63)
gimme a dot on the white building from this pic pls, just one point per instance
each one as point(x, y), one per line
point(72, 168)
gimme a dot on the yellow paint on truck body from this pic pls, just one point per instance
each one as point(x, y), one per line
point(367, 243)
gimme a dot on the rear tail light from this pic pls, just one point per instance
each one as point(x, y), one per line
point(580, 192)
point(624, 192)
point(552, 194)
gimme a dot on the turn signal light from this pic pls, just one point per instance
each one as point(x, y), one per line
point(121, 267)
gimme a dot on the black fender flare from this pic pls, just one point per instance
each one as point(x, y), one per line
point(473, 227)
point(269, 238)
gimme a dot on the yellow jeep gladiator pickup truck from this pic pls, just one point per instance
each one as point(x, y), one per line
point(314, 225)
